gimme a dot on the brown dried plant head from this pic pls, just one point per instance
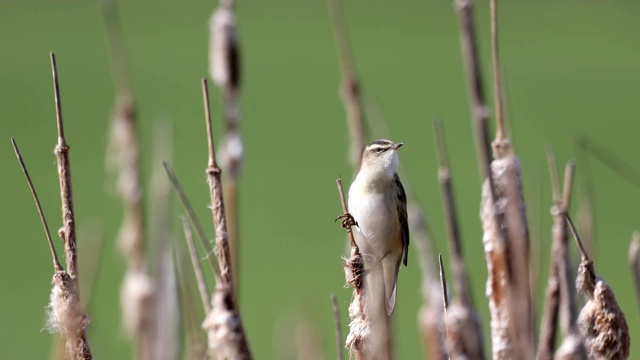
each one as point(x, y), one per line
point(601, 321)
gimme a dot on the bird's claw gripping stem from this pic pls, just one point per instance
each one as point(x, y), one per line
point(347, 220)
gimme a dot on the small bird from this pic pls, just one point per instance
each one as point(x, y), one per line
point(378, 204)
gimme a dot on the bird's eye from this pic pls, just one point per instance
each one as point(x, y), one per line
point(379, 149)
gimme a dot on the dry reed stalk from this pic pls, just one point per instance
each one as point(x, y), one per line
point(360, 325)
point(193, 219)
point(350, 88)
point(336, 319)
point(65, 314)
point(558, 293)
point(224, 60)
point(634, 252)
point(137, 292)
point(586, 199)
point(492, 218)
point(223, 323)
point(66, 301)
point(511, 217)
point(430, 316)
point(462, 322)
point(471, 62)
point(195, 347)
point(197, 269)
point(601, 321)
point(165, 327)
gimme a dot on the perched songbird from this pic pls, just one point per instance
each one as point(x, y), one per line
point(378, 204)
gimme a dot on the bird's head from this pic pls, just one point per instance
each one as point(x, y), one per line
point(381, 157)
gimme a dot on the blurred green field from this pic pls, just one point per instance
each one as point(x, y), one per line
point(570, 68)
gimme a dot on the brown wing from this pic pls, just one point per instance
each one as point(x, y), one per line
point(404, 222)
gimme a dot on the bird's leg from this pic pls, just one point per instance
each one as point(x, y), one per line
point(347, 220)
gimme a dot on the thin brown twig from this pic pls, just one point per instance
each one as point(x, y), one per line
point(567, 297)
point(195, 343)
point(217, 203)
point(446, 185)
point(225, 70)
point(471, 60)
point(583, 252)
point(350, 92)
point(550, 315)
point(54, 256)
point(586, 204)
point(64, 171)
point(443, 287)
point(225, 300)
point(197, 269)
point(336, 319)
point(184, 200)
point(68, 282)
point(497, 82)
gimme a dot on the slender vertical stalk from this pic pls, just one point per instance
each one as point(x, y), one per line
point(223, 323)
point(225, 69)
point(359, 327)
point(197, 269)
point(54, 256)
point(463, 326)
point(350, 87)
point(66, 305)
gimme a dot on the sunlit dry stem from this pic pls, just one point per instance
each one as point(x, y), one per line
point(568, 312)
point(224, 298)
point(197, 269)
point(497, 82)
point(64, 172)
point(207, 114)
point(195, 346)
point(583, 252)
point(446, 185)
point(192, 219)
point(443, 286)
point(68, 282)
point(336, 319)
point(351, 95)
point(558, 304)
point(567, 187)
point(553, 173)
point(471, 61)
point(54, 256)
point(217, 203)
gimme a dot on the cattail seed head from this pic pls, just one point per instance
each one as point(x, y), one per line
point(601, 321)
point(224, 54)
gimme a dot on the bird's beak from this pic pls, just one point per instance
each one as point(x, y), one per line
point(396, 146)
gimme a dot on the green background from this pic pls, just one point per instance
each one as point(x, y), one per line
point(570, 68)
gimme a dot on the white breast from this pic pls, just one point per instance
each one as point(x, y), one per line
point(375, 231)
